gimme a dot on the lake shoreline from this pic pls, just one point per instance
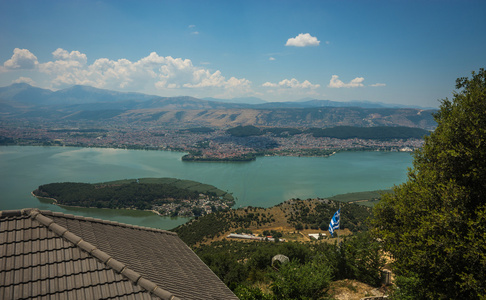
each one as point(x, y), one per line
point(55, 202)
point(215, 159)
point(266, 182)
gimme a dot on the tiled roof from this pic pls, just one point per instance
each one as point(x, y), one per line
point(50, 255)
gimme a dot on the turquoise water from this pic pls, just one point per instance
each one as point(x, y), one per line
point(264, 182)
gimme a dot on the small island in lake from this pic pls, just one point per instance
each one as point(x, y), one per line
point(164, 196)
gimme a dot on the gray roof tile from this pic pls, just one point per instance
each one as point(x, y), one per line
point(50, 255)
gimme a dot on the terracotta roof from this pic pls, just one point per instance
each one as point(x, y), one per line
point(46, 254)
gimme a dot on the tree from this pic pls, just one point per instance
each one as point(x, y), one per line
point(299, 226)
point(434, 224)
point(359, 257)
point(296, 281)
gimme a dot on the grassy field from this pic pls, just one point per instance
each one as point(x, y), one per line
point(369, 198)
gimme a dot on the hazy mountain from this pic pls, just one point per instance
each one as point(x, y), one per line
point(297, 117)
point(87, 103)
point(308, 103)
point(80, 97)
point(86, 94)
point(241, 100)
point(85, 97)
point(23, 93)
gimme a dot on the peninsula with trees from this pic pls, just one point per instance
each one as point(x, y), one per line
point(164, 196)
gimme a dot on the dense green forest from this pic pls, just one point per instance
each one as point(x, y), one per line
point(134, 193)
point(434, 224)
point(375, 133)
point(245, 131)
point(339, 132)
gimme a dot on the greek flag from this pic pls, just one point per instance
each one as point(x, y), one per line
point(334, 222)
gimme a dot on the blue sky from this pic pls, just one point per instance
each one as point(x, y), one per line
point(407, 52)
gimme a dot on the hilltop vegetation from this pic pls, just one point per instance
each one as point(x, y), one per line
point(247, 268)
point(290, 218)
point(434, 224)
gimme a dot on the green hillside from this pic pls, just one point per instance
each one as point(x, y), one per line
point(144, 193)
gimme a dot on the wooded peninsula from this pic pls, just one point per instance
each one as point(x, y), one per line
point(165, 196)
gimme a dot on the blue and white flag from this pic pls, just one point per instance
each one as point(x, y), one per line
point(334, 222)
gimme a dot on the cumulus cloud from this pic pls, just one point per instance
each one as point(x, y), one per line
point(378, 84)
point(61, 54)
point(287, 89)
point(152, 72)
point(22, 79)
point(335, 82)
point(303, 40)
point(271, 58)
point(21, 59)
point(292, 84)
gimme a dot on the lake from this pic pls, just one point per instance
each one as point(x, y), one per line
point(264, 182)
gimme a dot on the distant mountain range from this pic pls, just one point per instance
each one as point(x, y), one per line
point(309, 102)
point(87, 103)
point(241, 100)
point(25, 94)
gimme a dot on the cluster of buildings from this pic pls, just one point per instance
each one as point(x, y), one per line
point(246, 236)
point(217, 144)
point(191, 208)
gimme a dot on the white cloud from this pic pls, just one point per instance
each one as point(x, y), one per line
point(292, 83)
point(303, 40)
point(151, 73)
point(62, 54)
point(335, 82)
point(21, 59)
point(271, 58)
point(24, 80)
point(288, 89)
point(378, 84)
point(269, 84)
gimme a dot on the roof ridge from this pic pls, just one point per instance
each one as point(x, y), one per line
point(96, 220)
point(102, 256)
point(25, 211)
